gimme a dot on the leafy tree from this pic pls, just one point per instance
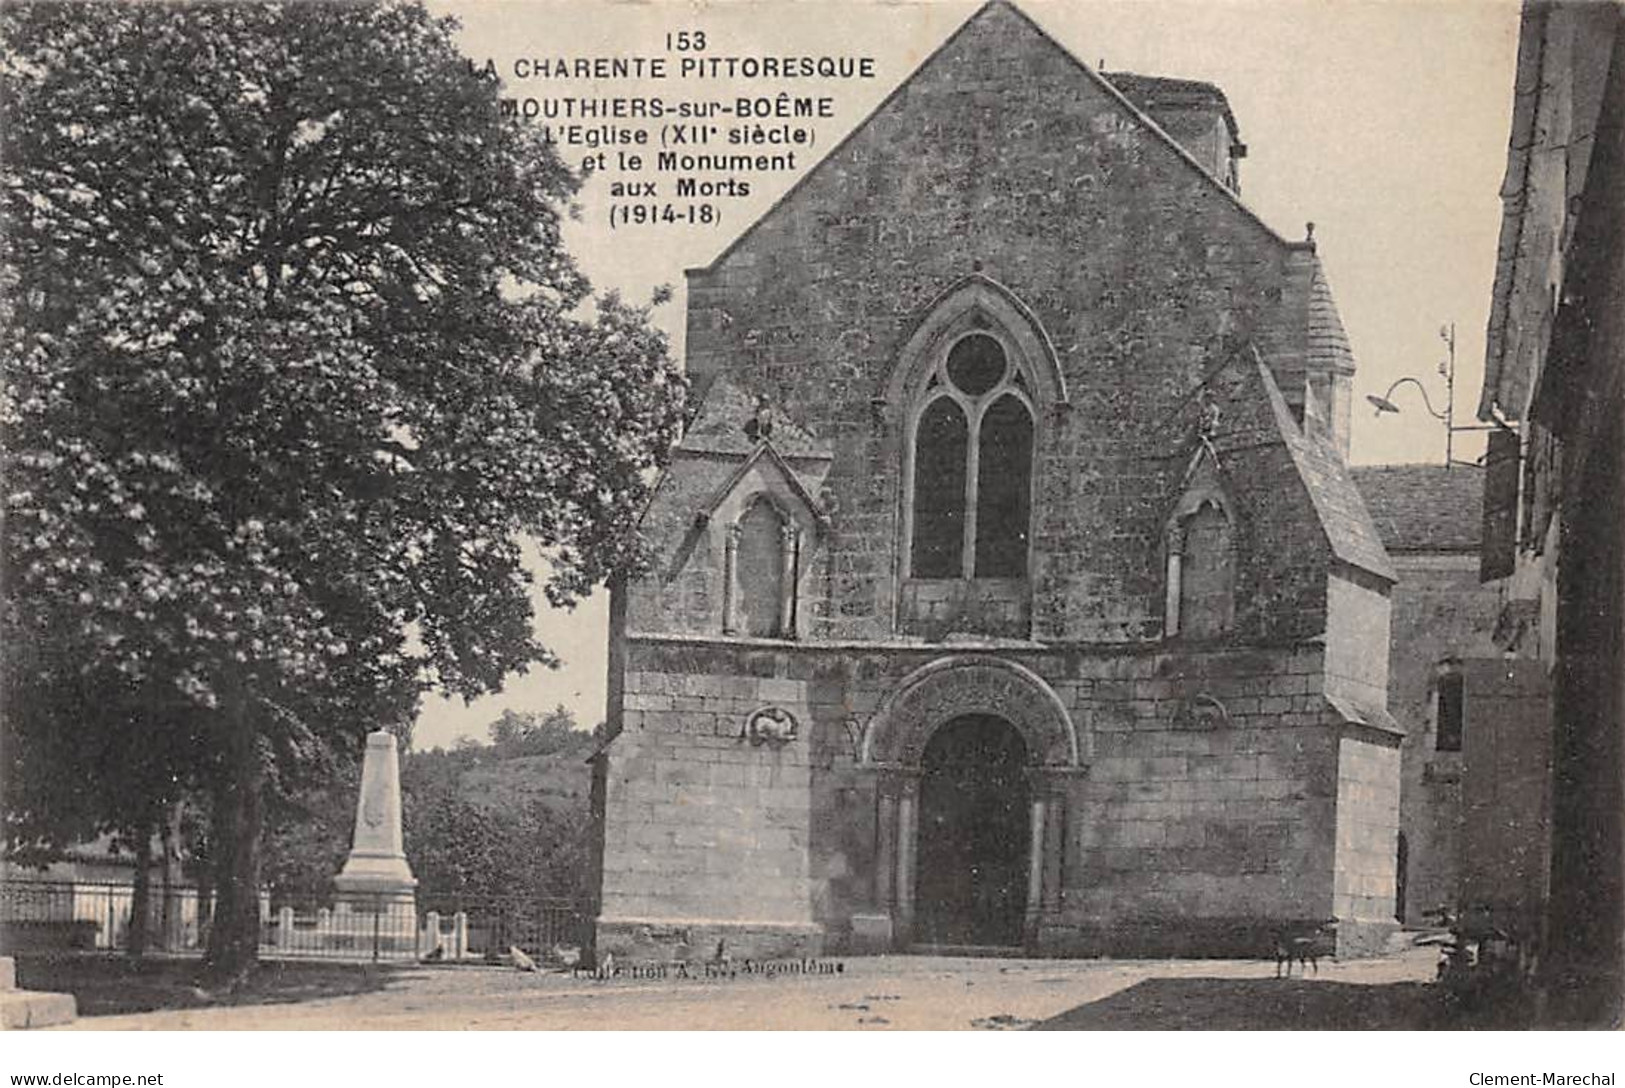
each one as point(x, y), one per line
point(465, 845)
point(527, 733)
point(292, 356)
point(307, 837)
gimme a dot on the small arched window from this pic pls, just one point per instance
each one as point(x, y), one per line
point(760, 567)
point(761, 563)
point(972, 453)
point(1201, 599)
point(1206, 590)
point(1450, 713)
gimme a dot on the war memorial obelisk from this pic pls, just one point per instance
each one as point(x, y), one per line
point(376, 875)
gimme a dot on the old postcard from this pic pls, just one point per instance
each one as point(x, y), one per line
point(770, 515)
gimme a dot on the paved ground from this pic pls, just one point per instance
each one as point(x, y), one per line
point(876, 993)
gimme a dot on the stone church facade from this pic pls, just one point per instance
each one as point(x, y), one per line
point(1011, 586)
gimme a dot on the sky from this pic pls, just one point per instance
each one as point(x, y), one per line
point(1383, 123)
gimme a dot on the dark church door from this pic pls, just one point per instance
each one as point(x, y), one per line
point(972, 860)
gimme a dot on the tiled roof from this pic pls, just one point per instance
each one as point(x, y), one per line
point(1343, 514)
point(1165, 97)
point(1327, 347)
point(1423, 508)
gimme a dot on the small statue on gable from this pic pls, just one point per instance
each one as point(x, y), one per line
point(1208, 415)
point(760, 427)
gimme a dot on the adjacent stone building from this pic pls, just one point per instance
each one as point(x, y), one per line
point(1012, 589)
point(1555, 499)
point(1442, 665)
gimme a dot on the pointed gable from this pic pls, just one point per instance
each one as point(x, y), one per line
point(1293, 491)
point(720, 426)
point(764, 471)
point(1000, 30)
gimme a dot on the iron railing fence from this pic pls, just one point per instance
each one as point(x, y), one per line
point(86, 915)
point(545, 927)
point(96, 915)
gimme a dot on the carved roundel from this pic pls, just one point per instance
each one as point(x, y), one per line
point(955, 686)
point(770, 725)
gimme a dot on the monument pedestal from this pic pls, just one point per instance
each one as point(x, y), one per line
point(30, 1008)
point(375, 890)
point(377, 864)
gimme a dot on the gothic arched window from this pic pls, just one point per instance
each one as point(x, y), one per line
point(1201, 588)
point(972, 454)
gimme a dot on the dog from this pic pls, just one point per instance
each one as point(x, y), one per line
point(1304, 943)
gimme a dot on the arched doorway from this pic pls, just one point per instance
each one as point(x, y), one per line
point(973, 834)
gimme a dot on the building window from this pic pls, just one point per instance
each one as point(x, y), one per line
point(973, 452)
point(762, 554)
point(1201, 572)
point(1206, 589)
point(940, 453)
point(1450, 711)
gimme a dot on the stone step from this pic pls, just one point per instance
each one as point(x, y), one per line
point(30, 1008)
point(1401, 940)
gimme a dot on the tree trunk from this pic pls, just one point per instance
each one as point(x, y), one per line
point(234, 938)
point(170, 937)
point(141, 894)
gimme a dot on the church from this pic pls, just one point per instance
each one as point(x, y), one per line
point(1012, 590)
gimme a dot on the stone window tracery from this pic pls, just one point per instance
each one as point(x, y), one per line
point(972, 446)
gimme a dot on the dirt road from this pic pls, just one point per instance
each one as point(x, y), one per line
point(869, 994)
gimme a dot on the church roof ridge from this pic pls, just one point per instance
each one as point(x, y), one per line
point(1097, 77)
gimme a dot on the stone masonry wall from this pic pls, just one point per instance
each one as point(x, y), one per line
point(684, 592)
point(1207, 814)
point(1357, 634)
point(1002, 157)
point(1204, 820)
point(1440, 611)
point(1367, 837)
point(1197, 835)
point(1507, 794)
point(706, 833)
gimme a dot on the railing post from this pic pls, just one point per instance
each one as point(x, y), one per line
point(430, 939)
point(377, 919)
point(459, 935)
